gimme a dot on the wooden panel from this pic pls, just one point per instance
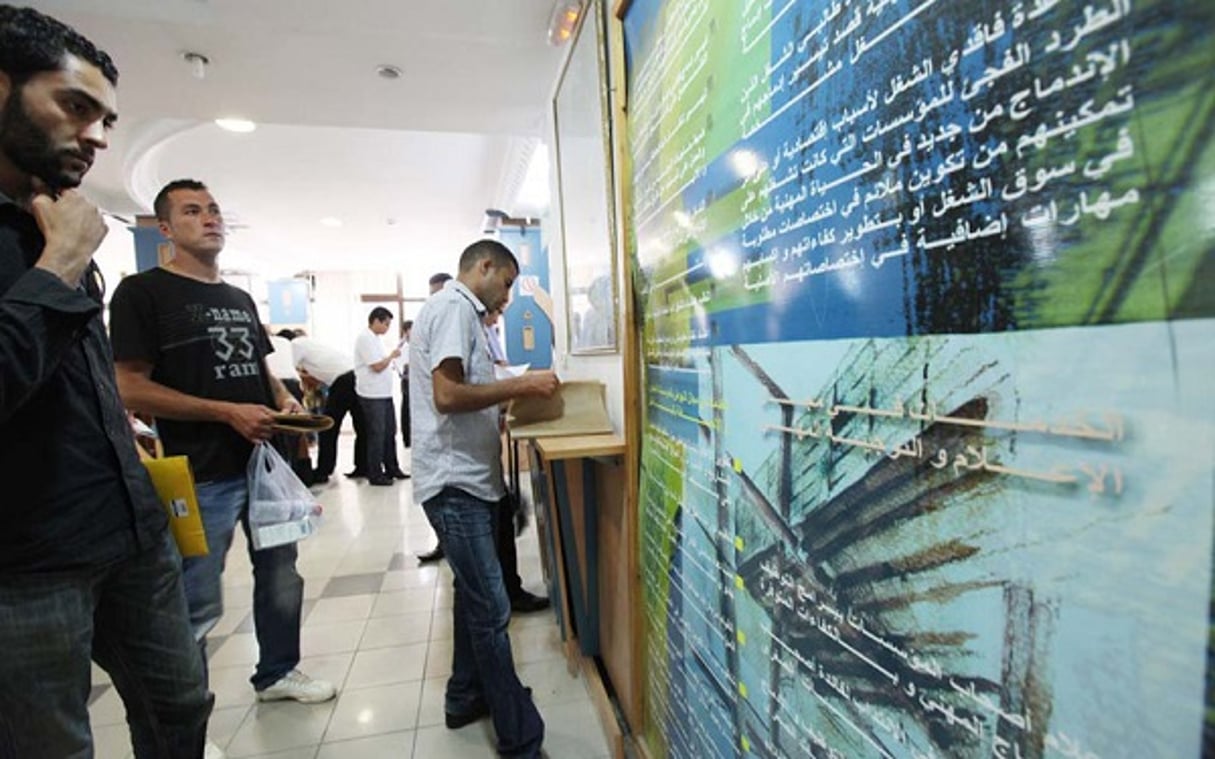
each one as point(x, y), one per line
point(580, 446)
point(616, 599)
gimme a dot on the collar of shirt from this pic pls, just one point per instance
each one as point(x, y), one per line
point(462, 289)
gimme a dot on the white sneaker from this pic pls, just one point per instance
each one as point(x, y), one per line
point(297, 686)
point(213, 752)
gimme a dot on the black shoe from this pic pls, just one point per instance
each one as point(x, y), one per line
point(434, 555)
point(526, 603)
point(356, 474)
point(320, 479)
point(480, 710)
point(380, 481)
point(457, 721)
point(398, 475)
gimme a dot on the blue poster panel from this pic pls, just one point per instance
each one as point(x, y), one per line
point(928, 298)
point(289, 300)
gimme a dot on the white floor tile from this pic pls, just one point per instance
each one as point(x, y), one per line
point(108, 710)
point(316, 640)
point(111, 741)
point(572, 731)
point(343, 609)
point(412, 601)
point(231, 685)
point(473, 742)
point(383, 666)
point(373, 711)
point(396, 631)
point(395, 745)
point(225, 722)
point(430, 710)
point(235, 650)
point(278, 726)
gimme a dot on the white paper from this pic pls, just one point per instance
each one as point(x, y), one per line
point(506, 372)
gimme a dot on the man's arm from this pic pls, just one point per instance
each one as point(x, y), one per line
point(454, 396)
point(282, 396)
point(41, 313)
point(141, 393)
point(383, 364)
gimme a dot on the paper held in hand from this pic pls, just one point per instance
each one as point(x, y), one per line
point(577, 408)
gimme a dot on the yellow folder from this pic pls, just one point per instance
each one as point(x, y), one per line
point(175, 485)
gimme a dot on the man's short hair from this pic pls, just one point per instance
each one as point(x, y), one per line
point(492, 249)
point(32, 42)
point(160, 206)
point(439, 279)
point(379, 314)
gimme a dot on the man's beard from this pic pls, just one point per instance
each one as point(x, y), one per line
point(29, 148)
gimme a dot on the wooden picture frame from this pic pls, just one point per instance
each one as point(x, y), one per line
point(582, 132)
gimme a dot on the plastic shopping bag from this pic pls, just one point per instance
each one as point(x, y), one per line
point(281, 510)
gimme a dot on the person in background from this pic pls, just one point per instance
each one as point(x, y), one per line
point(373, 383)
point(402, 368)
point(281, 363)
point(508, 508)
point(458, 481)
point(87, 570)
point(190, 350)
point(334, 370)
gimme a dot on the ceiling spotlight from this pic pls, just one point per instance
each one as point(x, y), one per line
point(564, 20)
point(198, 63)
point(236, 125)
point(331, 221)
point(388, 71)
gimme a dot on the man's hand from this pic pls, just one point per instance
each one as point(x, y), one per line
point(73, 229)
point(292, 406)
point(254, 422)
point(543, 383)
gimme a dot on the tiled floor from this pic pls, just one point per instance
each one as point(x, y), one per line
point(378, 626)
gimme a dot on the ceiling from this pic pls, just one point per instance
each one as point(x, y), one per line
point(408, 166)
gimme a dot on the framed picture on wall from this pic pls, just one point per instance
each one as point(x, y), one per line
point(584, 190)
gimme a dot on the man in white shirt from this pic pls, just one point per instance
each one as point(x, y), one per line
point(373, 383)
point(335, 370)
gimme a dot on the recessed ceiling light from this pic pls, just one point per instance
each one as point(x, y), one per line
point(331, 221)
point(236, 125)
point(388, 71)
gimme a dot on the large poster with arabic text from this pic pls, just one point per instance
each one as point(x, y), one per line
point(928, 296)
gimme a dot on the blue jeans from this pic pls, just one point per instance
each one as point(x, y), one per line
point(278, 590)
point(129, 617)
point(482, 668)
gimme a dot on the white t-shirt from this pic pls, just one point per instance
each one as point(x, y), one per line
point(319, 360)
point(281, 362)
point(368, 350)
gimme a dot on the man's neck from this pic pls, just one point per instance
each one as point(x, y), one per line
point(202, 268)
point(14, 182)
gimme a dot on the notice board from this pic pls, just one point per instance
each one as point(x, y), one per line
point(927, 291)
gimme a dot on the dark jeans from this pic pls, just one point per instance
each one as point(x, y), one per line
point(483, 670)
point(405, 438)
point(278, 589)
point(381, 427)
point(340, 401)
point(504, 532)
point(129, 617)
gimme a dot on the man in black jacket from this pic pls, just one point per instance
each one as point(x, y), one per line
point(86, 566)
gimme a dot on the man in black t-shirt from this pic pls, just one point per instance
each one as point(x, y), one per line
point(190, 350)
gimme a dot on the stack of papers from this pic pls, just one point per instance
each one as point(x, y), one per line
point(577, 408)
